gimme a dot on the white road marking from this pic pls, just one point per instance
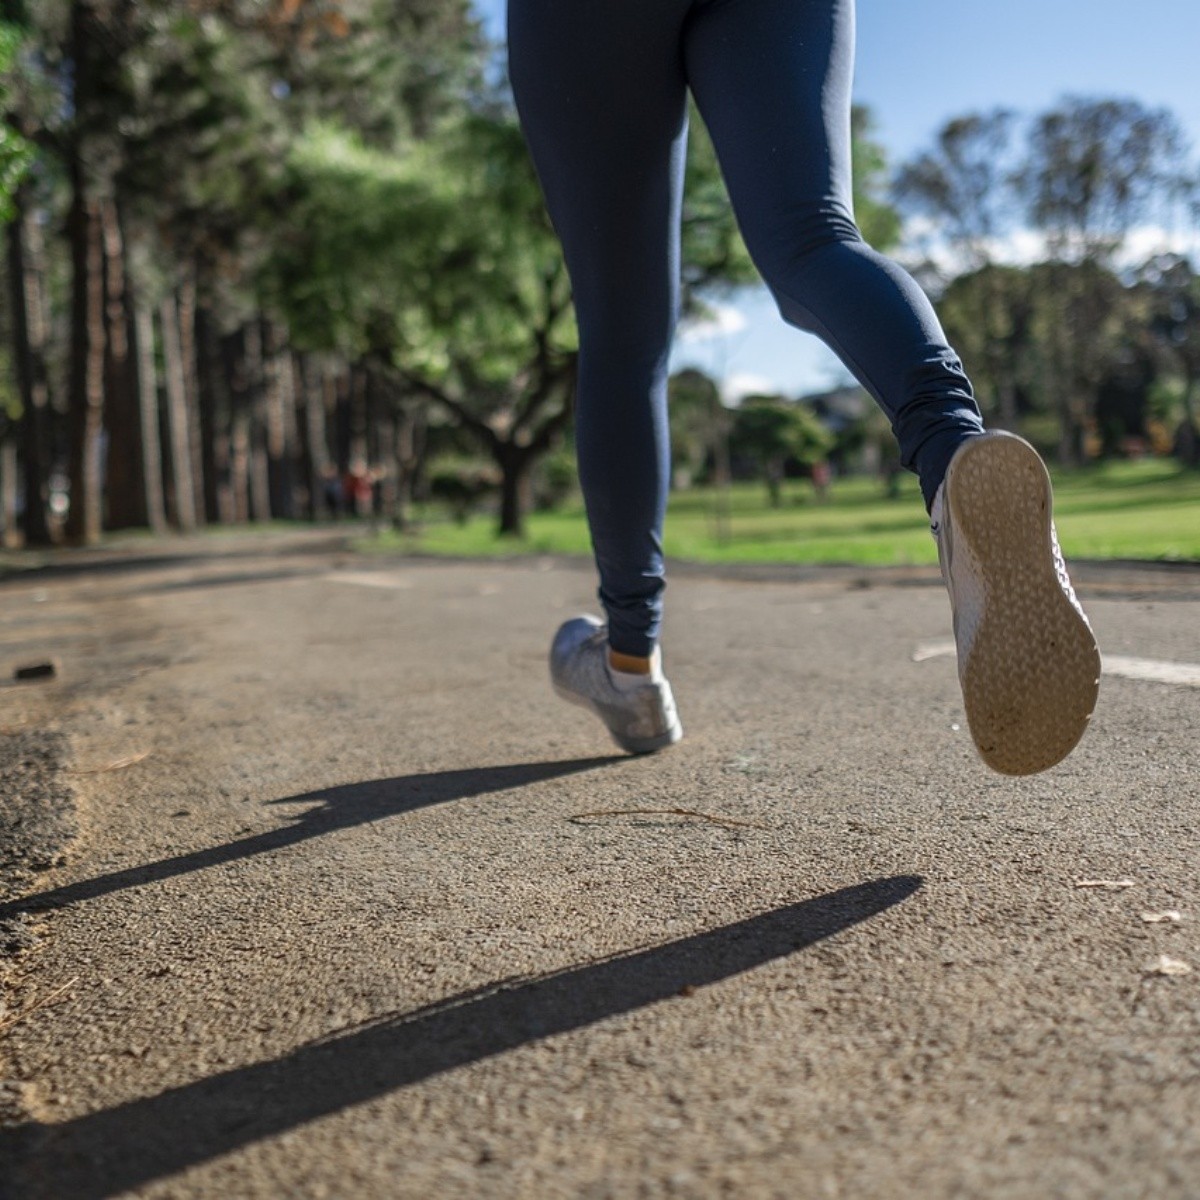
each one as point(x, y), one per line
point(369, 579)
point(927, 650)
point(1151, 670)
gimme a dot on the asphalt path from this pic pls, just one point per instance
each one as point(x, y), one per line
point(355, 907)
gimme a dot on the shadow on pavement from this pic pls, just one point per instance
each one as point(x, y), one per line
point(337, 808)
point(170, 553)
point(132, 1144)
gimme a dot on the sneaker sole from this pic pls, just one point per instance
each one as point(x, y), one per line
point(1033, 674)
point(630, 745)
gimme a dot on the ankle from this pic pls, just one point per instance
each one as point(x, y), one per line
point(630, 664)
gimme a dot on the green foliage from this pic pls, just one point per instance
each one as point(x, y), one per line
point(770, 426)
point(488, 307)
point(555, 478)
point(338, 269)
point(714, 255)
point(877, 219)
point(391, 71)
point(16, 151)
point(461, 485)
point(439, 259)
point(1066, 336)
point(698, 422)
point(772, 432)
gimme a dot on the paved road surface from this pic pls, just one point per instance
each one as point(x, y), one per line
point(359, 909)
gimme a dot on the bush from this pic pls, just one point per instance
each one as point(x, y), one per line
point(554, 480)
point(462, 485)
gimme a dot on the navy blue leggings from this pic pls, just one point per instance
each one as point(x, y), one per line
point(601, 88)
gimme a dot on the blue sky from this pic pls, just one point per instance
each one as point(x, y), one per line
point(923, 61)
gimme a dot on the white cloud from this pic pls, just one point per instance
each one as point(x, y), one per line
point(1147, 241)
point(735, 388)
point(720, 321)
point(1024, 247)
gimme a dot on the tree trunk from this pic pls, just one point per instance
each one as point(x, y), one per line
point(255, 430)
point(339, 405)
point(8, 494)
point(384, 498)
point(359, 384)
point(183, 489)
point(1187, 436)
point(86, 400)
point(233, 361)
point(514, 463)
point(722, 469)
point(315, 451)
point(187, 362)
point(214, 441)
point(147, 386)
point(125, 475)
point(774, 473)
point(410, 451)
point(280, 413)
point(29, 332)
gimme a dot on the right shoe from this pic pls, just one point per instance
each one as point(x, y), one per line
point(1027, 660)
point(641, 718)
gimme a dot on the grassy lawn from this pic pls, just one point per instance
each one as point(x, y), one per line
point(1144, 510)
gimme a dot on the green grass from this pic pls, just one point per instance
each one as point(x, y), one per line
point(1142, 510)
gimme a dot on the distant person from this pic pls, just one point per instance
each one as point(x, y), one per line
point(820, 474)
point(356, 488)
point(331, 490)
point(601, 88)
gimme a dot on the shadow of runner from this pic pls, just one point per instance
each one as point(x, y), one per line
point(337, 808)
point(135, 1143)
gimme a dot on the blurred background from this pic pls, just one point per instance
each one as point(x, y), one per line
point(286, 260)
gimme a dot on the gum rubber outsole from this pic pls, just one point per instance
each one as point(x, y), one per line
point(1032, 674)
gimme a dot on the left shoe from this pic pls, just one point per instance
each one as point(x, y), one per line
point(641, 717)
point(1027, 660)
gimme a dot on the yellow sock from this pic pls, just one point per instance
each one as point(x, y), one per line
point(630, 664)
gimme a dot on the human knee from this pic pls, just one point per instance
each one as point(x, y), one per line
point(789, 243)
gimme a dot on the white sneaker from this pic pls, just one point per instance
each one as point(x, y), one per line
point(1027, 661)
point(640, 716)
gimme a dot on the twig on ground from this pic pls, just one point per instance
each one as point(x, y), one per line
point(118, 764)
point(46, 1000)
point(731, 822)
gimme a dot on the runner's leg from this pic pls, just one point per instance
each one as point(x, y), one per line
point(772, 79)
point(601, 94)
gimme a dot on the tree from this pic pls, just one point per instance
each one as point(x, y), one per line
point(167, 125)
point(1172, 290)
point(16, 151)
point(772, 431)
point(439, 266)
point(1088, 174)
point(1094, 169)
point(699, 424)
point(24, 107)
point(963, 185)
point(391, 70)
point(988, 315)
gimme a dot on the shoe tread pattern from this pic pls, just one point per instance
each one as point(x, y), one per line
point(1031, 674)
